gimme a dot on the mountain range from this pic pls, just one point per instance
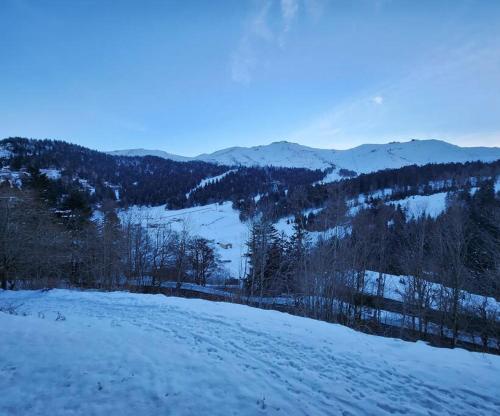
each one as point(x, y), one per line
point(361, 159)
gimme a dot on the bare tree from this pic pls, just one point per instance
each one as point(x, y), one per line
point(202, 259)
point(450, 250)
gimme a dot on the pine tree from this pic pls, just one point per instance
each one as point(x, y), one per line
point(265, 251)
point(296, 255)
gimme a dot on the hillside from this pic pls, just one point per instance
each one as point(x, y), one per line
point(96, 353)
point(362, 159)
point(74, 217)
point(142, 180)
point(217, 202)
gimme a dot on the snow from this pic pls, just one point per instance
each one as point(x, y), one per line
point(212, 179)
point(362, 159)
point(97, 216)
point(217, 222)
point(5, 153)
point(395, 288)
point(53, 174)
point(339, 231)
point(282, 153)
point(14, 178)
point(378, 194)
point(329, 177)
point(417, 205)
point(86, 186)
point(129, 354)
point(285, 225)
point(372, 157)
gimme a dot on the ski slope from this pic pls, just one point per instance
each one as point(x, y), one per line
point(91, 353)
point(210, 180)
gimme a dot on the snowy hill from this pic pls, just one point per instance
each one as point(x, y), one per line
point(91, 353)
point(362, 159)
point(372, 157)
point(284, 154)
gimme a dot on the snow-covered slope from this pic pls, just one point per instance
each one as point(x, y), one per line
point(210, 180)
point(283, 154)
point(417, 205)
point(217, 222)
point(145, 152)
point(372, 157)
point(362, 159)
point(90, 353)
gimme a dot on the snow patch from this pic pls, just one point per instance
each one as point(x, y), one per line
point(417, 205)
point(52, 174)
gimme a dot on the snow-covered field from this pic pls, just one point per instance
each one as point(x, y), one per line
point(90, 353)
point(217, 222)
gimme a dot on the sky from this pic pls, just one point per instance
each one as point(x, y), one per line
point(190, 77)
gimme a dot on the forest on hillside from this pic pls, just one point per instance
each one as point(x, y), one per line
point(447, 259)
point(145, 180)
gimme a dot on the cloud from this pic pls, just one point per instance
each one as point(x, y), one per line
point(243, 62)
point(244, 59)
point(259, 25)
point(267, 28)
point(314, 8)
point(289, 10)
point(427, 102)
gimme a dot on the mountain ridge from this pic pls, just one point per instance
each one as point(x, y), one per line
point(360, 159)
point(146, 152)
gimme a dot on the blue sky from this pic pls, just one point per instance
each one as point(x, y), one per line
point(196, 76)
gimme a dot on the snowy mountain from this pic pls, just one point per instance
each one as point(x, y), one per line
point(372, 157)
point(361, 159)
point(284, 154)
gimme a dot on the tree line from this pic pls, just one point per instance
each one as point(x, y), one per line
point(451, 266)
point(45, 247)
point(147, 180)
point(150, 180)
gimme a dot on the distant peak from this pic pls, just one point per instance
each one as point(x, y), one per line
point(285, 143)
